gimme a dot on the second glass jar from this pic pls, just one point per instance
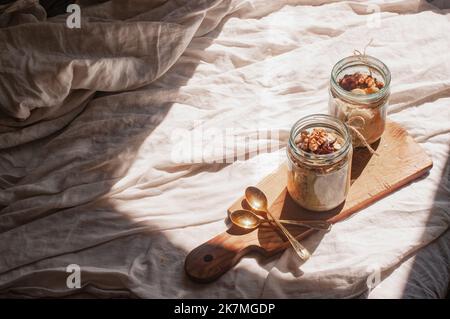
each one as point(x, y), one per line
point(365, 113)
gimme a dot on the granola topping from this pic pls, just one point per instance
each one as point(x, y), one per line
point(359, 83)
point(317, 141)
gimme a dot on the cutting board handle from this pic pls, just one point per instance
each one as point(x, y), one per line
point(215, 257)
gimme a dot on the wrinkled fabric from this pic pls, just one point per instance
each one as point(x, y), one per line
point(95, 168)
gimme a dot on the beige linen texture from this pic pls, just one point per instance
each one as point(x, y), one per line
point(92, 170)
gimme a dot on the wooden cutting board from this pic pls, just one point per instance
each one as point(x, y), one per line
point(400, 160)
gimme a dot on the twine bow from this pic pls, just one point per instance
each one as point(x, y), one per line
point(358, 133)
point(362, 56)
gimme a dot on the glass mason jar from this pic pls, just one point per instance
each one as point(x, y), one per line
point(319, 182)
point(365, 113)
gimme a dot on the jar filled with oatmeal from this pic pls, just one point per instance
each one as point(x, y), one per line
point(319, 155)
point(359, 93)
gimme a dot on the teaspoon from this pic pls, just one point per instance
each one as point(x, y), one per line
point(258, 201)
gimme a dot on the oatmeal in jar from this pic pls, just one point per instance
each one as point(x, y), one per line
point(319, 162)
point(359, 92)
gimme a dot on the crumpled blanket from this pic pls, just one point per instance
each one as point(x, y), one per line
point(99, 147)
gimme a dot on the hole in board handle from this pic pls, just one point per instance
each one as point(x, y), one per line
point(208, 258)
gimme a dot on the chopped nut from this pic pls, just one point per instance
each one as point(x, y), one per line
point(360, 83)
point(313, 145)
point(369, 81)
point(318, 141)
point(372, 89)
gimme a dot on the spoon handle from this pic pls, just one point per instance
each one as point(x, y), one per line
point(314, 224)
point(301, 251)
point(317, 225)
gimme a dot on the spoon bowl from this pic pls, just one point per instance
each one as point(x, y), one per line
point(245, 219)
point(256, 198)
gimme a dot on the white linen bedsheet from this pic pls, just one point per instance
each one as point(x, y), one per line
point(106, 181)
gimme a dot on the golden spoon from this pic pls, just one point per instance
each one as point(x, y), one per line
point(248, 220)
point(258, 201)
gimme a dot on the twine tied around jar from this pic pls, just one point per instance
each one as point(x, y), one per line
point(352, 119)
point(355, 130)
